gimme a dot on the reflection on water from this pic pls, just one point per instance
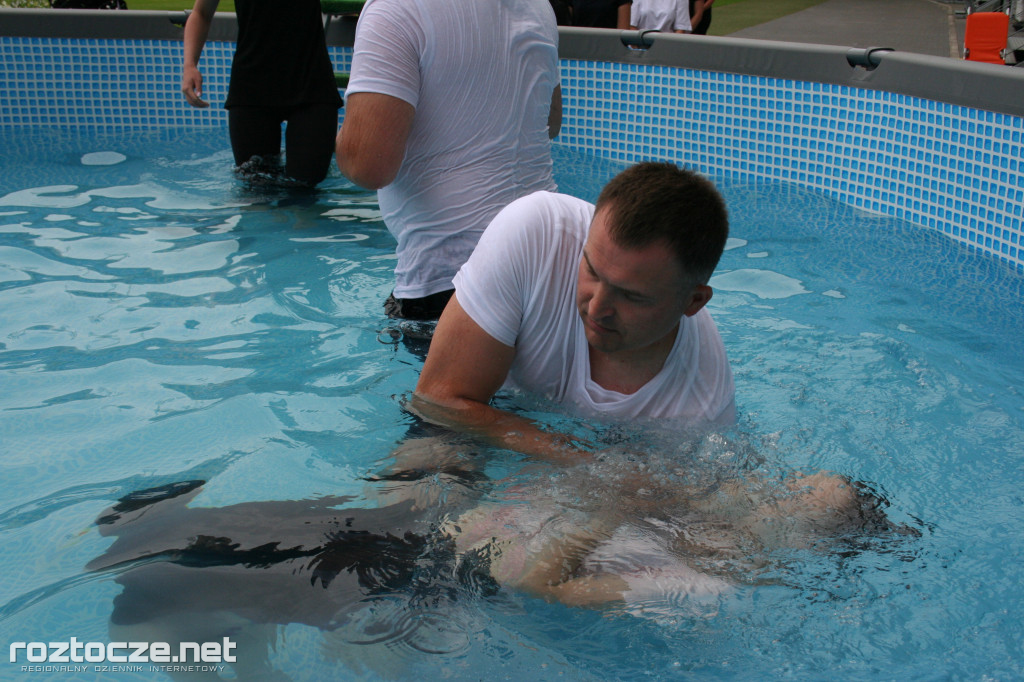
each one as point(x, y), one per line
point(161, 323)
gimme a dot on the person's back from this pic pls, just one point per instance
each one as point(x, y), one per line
point(480, 76)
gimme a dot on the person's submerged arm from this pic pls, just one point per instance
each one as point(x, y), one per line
point(464, 369)
point(197, 27)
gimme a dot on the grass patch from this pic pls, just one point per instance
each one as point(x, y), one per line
point(224, 6)
point(730, 16)
point(160, 5)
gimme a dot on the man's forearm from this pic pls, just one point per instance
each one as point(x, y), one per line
point(500, 428)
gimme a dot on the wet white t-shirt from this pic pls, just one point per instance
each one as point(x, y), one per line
point(660, 15)
point(480, 75)
point(520, 287)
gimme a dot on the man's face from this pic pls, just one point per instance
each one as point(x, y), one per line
point(631, 299)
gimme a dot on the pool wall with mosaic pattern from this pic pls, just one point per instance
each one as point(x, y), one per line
point(938, 142)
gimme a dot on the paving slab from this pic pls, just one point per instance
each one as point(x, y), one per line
point(930, 27)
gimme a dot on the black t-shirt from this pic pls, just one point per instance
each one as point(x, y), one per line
point(597, 13)
point(281, 58)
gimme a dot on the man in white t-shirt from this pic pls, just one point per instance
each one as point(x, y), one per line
point(448, 113)
point(599, 308)
point(667, 16)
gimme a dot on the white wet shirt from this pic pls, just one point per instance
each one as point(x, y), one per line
point(660, 15)
point(480, 74)
point(520, 287)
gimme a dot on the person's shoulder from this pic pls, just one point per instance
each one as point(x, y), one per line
point(538, 223)
point(545, 198)
point(383, 10)
point(544, 211)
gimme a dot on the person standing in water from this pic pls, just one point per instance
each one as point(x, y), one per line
point(448, 114)
point(281, 72)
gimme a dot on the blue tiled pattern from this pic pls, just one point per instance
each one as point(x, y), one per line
point(112, 83)
point(952, 168)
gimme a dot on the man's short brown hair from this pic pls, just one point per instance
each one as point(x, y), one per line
point(653, 201)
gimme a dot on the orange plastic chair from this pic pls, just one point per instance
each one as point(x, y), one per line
point(985, 37)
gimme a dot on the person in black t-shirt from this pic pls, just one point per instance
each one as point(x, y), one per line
point(700, 21)
point(601, 13)
point(281, 72)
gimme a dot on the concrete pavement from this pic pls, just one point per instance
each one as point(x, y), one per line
point(930, 27)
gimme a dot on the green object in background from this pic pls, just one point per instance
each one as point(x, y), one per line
point(341, 79)
point(173, 5)
point(341, 6)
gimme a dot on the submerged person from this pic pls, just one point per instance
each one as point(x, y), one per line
point(281, 73)
point(449, 112)
point(648, 541)
point(239, 571)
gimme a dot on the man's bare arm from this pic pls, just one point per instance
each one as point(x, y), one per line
point(371, 144)
point(622, 22)
point(464, 369)
point(555, 113)
point(197, 27)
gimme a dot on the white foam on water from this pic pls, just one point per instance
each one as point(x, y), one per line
point(761, 283)
point(360, 214)
point(66, 196)
point(102, 158)
point(41, 197)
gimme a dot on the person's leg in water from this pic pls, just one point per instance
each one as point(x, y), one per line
point(309, 142)
point(256, 141)
point(745, 521)
point(424, 309)
point(417, 316)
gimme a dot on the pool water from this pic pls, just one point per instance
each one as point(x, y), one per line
point(161, 322)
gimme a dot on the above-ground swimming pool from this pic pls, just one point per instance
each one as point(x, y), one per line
point(163, 325)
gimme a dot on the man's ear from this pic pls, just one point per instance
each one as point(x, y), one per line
point(698, 299)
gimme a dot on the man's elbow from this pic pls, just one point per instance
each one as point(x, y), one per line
point(364, 172)
point(438, 407)
point(364, 167)
point(437, 397)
